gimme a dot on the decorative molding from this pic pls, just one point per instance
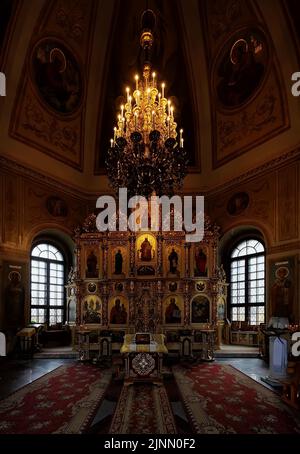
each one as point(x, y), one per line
point(8, 165)
point(286, 247)
point(230, 131)
point(71, 22)
point(272, 165)
point(50, 129)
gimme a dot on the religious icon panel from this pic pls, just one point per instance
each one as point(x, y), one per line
point(173, 310)
point(146, 254)
point(282, 287)
point(200, 262)
point(119, 262)
point(91, 310)
point(173, 261)
point(118, 310)
point(200, 309)
point(91, 263)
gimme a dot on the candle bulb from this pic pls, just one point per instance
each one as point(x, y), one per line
point(163, 90)
point(136, 82)
point(137, 97)
point(115, 134)
point(111, 143)
point(159, 96)
point(181, 131)
point(127, 91)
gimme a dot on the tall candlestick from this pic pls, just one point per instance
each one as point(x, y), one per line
point(115, 134)
point(111, 143)
point(153, 79)
point(159, 96)
point(136, 82)
point(181, 139)
point(148, 96)
point(169, 107)
point(168, 121)
point(122, 110)
point(135, 120)
point(127, 91)
point(163, 90)
point(153, 119)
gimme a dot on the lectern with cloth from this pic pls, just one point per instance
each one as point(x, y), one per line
point(143, 354)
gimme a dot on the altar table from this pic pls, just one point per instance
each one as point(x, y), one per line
point(143, 361)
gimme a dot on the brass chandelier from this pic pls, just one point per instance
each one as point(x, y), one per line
point(146, 155)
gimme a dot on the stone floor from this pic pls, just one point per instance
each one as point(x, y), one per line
point(16, 373)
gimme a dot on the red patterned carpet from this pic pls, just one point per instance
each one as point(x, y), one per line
point(221, 400)
point(63, 401)
point(143, 409)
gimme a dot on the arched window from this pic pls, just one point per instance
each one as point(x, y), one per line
point(47, 284)
point(247, 282)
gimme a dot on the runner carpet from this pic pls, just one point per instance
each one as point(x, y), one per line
point(62, 401)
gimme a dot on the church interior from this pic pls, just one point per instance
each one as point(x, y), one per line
point(121, 330)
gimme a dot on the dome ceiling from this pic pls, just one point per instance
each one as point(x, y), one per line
point(224, 62)
point(124, 60)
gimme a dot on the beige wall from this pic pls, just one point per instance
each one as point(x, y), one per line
point(274, 210)
point(24, 215)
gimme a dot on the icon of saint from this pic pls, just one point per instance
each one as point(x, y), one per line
point(118, 262)
point(173, 313)
point(200, 262)
point(173, 260)
point(118, 313)
point(91, 265)
point(146, 250)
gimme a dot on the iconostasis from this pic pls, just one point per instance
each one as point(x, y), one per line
point(146, 281)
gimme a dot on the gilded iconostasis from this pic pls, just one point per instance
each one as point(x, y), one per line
point(146, 281)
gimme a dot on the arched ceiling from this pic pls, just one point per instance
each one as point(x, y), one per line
point(227, 62)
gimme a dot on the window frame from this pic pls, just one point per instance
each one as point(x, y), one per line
point(247, 304)
point(48, 262)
